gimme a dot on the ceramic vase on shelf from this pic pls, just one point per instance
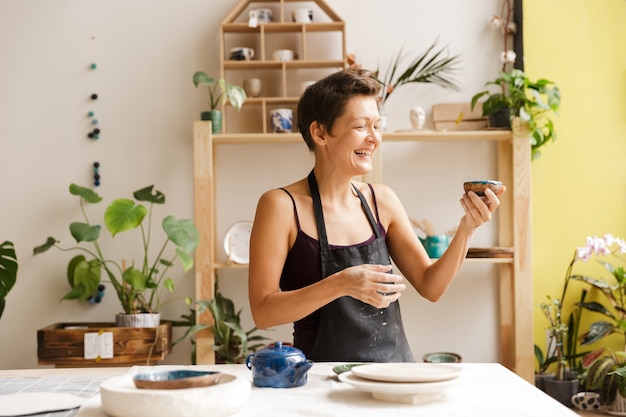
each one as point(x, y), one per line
point(618, 406)
point(215, 116)
point(383, 117)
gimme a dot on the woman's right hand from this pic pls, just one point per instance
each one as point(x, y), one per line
point(372, 284)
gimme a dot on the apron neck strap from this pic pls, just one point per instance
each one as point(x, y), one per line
point(319, 214)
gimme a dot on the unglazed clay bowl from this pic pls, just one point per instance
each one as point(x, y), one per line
point(479, 187)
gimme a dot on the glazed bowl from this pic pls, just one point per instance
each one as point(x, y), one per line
point(479, 187)
point(176, 379)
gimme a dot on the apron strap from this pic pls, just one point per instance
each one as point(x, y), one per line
point(319, 214)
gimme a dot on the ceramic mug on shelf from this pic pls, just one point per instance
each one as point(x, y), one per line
point(302, 15)
point(283, 55)
point(241, 53)
point(281, 120)
point(260, 15)
point(435, 245)
point(253, 87)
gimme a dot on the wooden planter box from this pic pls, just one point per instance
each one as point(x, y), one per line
point(63, 344)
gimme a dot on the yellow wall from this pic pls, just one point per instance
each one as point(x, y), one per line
point(579, 183)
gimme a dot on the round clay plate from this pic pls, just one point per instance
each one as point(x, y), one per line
point(407, 372)
point(121, 398)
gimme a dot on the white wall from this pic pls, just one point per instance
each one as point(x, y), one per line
point(146, 51)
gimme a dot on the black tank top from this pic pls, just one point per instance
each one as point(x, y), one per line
point(303, 268)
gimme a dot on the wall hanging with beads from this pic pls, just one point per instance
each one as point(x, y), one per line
point(94, 134)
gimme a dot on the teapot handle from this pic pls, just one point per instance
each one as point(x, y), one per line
point(249, 360)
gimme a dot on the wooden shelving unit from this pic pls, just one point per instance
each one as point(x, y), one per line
point(516, 335)
point(281, 80)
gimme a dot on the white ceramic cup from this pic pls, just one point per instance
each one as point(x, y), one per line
point(261, 15)
point(253, 87)
point(302, 15)
point(586, 400)
point(241, 53)
point(281, 120)
point(283, 55)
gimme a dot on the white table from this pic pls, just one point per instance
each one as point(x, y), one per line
point(484, 390)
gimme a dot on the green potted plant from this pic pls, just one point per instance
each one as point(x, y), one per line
point(232, 343)
point(605, 372)
point(533, 102)
point(220, 91)
point(138, 287)
point(8, 271)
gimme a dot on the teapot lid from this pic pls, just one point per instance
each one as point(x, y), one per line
point(277, 349)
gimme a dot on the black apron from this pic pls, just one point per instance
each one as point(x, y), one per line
point(351, 330)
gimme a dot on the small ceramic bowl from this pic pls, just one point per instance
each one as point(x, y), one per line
point(177, 379)
point(479, 187)
point(442, 357)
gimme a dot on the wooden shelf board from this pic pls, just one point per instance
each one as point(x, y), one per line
point(286, 27)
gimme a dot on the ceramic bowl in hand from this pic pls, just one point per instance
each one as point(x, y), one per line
point(177, 379)
point(479, 187)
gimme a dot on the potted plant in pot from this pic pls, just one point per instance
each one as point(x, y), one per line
point(517, 97)
point(605, 372)
point(138, 286)
point(232, 343)
point(220, 91)
point(8, 271)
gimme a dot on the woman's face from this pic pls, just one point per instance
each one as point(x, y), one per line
point(356, 135)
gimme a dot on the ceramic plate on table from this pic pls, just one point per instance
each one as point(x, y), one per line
point(407, 372)
point(401, 392)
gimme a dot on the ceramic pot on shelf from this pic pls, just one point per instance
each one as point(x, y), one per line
point(138, 320)
point(215, 117)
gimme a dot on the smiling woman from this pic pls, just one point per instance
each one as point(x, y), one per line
point(321, 249)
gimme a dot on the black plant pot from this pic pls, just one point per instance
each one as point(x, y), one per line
point(540, 380)
point(501, 119)
point(562, 390)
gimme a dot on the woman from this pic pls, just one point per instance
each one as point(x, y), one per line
point(321, 248)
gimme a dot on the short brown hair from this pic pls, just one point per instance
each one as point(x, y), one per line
point(326, 100)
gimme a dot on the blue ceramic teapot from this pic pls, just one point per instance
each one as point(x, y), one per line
point(279, 366)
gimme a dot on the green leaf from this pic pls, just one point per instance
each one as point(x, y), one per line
point(123, 214)
point(185, 259)
point(50, 242)
point(182, 233)
point(86, 194)
point(8, 270)
point(201, 78)
point(135, 278)
point(150, 195)
point(87, 278)
point(84, 232)
point(596, 307)
point(169, 284)
point(596, 332)
point(71, 268)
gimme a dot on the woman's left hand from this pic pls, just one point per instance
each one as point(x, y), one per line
point(478, 210)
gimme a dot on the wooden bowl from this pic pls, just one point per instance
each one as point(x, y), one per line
point(177, 379)
point(479, 187)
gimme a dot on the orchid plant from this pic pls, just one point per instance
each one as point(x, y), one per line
point(613, 290)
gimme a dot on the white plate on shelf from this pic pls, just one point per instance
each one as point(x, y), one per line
point(401, 392)
point(407, 372)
